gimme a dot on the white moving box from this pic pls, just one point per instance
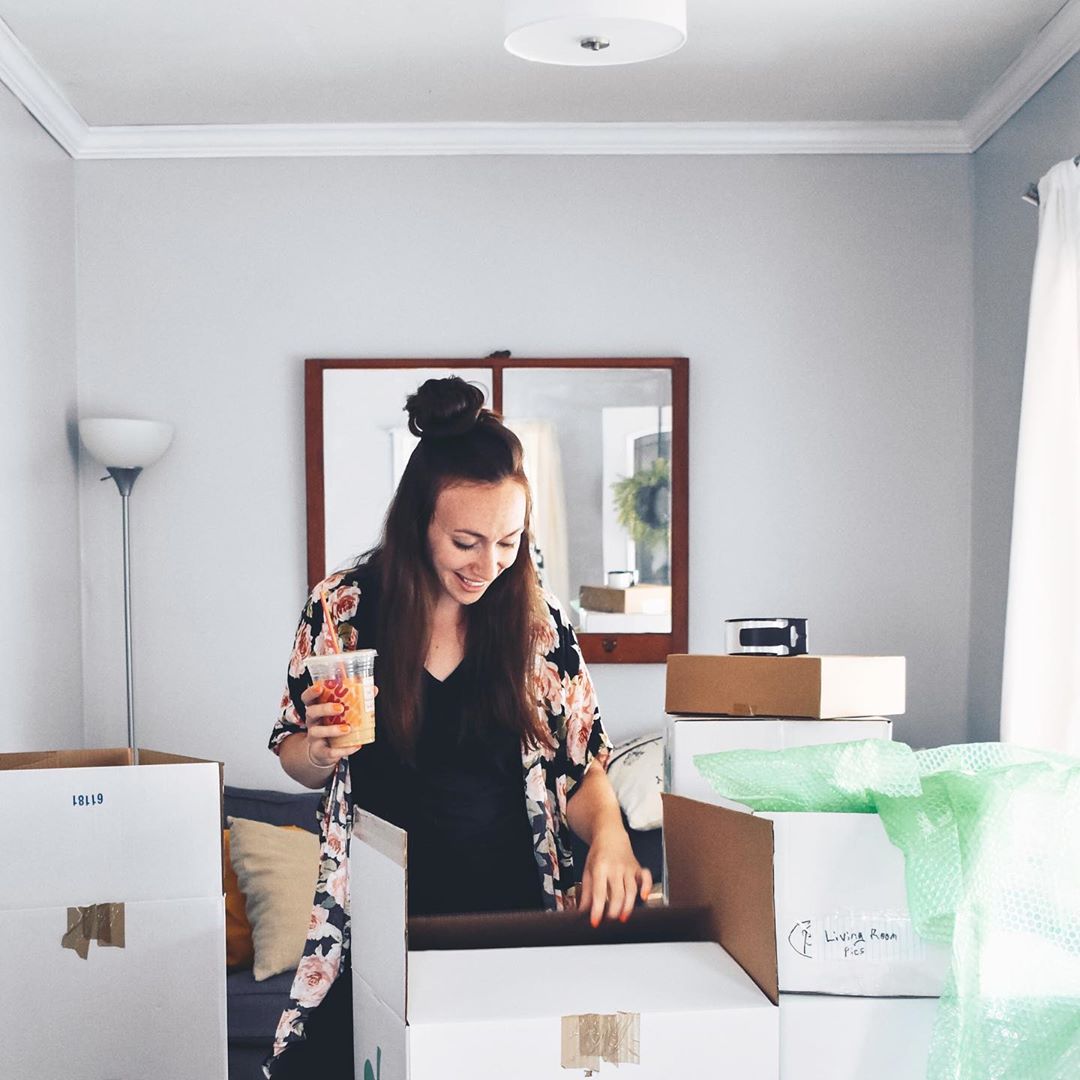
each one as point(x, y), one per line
point(687, 736)
point(842, 920)
point(848, 1038)
point(686, 991)
point(133, 987)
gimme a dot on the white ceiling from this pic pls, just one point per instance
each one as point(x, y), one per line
point(260, 62)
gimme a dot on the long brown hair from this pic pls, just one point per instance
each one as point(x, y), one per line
point(460, 442)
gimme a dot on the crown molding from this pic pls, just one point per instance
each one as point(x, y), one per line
point(1053, 47)
point(45, 101)
point(435, 139)
point(1056, 43)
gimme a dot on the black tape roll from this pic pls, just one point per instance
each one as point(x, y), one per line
point(767, 637)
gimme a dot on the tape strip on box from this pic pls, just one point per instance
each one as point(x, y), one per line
point(589, 1038)
point(103, 923)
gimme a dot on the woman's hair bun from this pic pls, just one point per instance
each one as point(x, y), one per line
point(444, 407)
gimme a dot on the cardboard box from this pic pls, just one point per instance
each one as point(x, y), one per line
point(818, 687)
point(685, 737)
point(847, 1038)
point(686, 991)
point(634, 600)
point(116, 990)
point(842, 920)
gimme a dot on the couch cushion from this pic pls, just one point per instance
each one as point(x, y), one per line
point(277, 868)
point(274, 807)
point(255, 1007)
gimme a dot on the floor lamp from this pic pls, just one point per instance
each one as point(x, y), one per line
point(125, 448)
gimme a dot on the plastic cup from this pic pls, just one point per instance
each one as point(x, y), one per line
point(349, 679)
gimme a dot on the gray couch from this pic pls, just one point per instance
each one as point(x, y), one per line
point(254, 1007)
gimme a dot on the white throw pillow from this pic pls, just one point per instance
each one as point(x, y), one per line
point(636, 771)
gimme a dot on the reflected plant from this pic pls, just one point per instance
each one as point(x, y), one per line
point(643, 504)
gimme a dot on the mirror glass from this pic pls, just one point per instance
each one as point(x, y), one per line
point(606, 454)
point(598, 454)
point(366, 443)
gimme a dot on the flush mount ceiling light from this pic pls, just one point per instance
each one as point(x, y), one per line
point(594, 33)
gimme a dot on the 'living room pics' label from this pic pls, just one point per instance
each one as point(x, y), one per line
point(869, 938)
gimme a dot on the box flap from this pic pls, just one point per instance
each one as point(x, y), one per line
point(65, 759)
point(724, 859)
point(522, 929)
point(158, 757)
point(104, 834)
point(378, 895)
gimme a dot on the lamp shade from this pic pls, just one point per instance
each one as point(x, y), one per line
point(126, 444)
point(594, 33)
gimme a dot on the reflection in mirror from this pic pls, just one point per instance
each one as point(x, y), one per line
point(366, 445)
point(605, 445)
point(598, 454)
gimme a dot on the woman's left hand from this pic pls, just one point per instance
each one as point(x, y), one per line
point(613, 879)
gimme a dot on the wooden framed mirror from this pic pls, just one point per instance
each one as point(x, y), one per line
point(606, 449)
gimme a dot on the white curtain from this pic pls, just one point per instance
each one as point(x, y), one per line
point(1040, 698)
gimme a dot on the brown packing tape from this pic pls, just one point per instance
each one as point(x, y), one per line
point(589, 1038)
point(103, 923)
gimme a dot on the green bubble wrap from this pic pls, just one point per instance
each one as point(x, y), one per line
point(991, 841)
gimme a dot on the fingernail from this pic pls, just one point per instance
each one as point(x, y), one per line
point(343, 727)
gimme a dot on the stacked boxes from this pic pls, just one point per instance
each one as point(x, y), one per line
point(842, 923)
point(112, 920)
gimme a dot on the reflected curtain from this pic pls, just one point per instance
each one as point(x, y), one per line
point(402, 444)
point(1040, 699)
point(543, 467)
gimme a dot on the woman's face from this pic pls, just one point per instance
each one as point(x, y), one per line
point(474, 536)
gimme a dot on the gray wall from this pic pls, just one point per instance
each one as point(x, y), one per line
point(1045, 131)
point(825, 303)
point(41, 629)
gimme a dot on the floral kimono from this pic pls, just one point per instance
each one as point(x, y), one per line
point(565, 699)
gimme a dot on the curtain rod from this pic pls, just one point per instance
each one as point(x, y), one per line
point(1031, 192)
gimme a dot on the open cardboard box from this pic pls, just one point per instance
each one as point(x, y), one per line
point(686, 991)
point(842, 922)
point(819, 687)
point(114, 989)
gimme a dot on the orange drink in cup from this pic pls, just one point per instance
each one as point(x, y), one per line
point(348, 678)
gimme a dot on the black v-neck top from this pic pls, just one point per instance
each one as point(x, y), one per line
point(462, 802)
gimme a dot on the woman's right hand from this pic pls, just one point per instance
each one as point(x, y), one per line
point(323, 725)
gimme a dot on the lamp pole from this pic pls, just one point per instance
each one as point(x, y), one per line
point(125, 447)
point(125, 481)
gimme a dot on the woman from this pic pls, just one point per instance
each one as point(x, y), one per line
point(487, 726)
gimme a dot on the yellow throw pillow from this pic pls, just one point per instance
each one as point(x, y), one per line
point(277, 869)
point(239, 949)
